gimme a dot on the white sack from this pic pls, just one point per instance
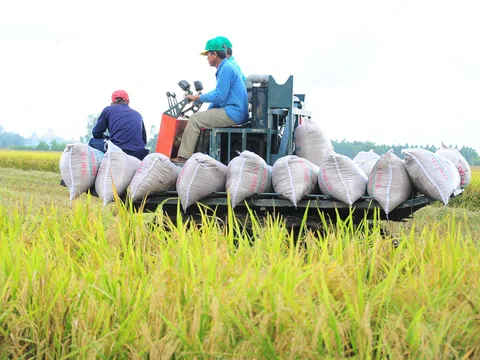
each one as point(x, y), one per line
point(79, 165)
point(389, 183)
point(341, 178)
point(248, 174)
point(155, 174)
point(116, 172)
point(201, 176)
point(366, 160)
point(294, 177)
point(460, 163)
point(311, 142)
point(430, 174)
point(456, 175)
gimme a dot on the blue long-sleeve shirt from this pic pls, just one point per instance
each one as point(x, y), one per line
point(125, 126)
point(229, 94)
point(234, 62)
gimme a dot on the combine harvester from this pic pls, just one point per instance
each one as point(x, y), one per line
point(275, 114)
point(295, 172)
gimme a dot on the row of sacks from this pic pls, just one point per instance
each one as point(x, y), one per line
point(366, 160)
point(391, 180)
point(84, 168)
point(312, 143)
point(388, 179)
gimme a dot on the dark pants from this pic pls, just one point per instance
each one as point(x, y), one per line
point(99, 144)
point(140, 154)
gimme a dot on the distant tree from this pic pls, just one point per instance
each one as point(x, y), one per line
point(42, 146)
point(33, 140)
point(469, 154)
point(91, 121)
point(49, 136)
point(152, 142)
point(10, 140)
point(57, 146)
point(429, 148)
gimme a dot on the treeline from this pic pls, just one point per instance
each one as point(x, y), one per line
point(48, 142)
point(11, 140)
point(351, 149)
point(53, 145)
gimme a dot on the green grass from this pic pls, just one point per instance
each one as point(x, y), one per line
point(79, 280)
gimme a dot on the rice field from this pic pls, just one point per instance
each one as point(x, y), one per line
point(80, 280)
point(30, 160)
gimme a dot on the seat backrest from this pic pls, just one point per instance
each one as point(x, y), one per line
point(280, 96)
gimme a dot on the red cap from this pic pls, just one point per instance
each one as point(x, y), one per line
point(122, 94)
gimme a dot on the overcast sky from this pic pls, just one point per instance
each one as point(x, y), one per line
point(390, 72)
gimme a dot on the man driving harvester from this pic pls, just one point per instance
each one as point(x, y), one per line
point(228, 101)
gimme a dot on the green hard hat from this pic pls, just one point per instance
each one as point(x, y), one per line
point(213, 45)
point(225, 41)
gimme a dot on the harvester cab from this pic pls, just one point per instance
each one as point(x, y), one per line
point(274, 113)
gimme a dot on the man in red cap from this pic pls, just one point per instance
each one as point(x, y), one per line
point(125, 127)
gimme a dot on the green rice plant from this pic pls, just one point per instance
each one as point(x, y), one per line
point(470, 198)
point(83, 280)
point(95, 283)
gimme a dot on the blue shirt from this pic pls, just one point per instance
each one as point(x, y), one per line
point(125, 126)
point(234, 62)
point(230, 93)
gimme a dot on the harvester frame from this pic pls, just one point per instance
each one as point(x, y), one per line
point(275, 113)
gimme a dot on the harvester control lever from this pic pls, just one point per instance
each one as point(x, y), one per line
point(179, 108)
point(172, 99)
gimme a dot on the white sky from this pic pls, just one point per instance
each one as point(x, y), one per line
point(390, 72)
